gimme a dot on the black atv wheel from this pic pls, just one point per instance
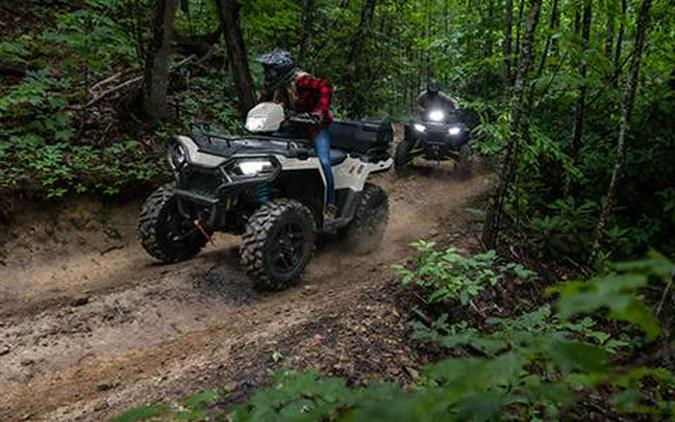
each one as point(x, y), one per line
point(365, 232)
point(278, 243)
point(464, 164)
point(403, 157)
point(164, 232)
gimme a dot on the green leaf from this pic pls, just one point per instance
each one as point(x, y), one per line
point(481, 406)
point(200, 399)
point(574, 355)
point(142, 413)
point(616, 293)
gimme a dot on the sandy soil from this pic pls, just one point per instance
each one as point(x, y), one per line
point(90, 325)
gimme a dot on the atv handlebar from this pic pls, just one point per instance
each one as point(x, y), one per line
point(303, 118)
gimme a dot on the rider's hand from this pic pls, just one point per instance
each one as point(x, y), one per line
point(318, 117)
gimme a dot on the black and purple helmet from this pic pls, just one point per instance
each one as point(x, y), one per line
point(279, 68)
point(433, 87)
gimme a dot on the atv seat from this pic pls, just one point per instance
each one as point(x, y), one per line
point(361, 137)
point(337, 156)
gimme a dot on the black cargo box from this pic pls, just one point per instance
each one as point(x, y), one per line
point(364, 136)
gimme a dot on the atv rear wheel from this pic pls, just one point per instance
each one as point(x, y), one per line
point(365, 232)
point(278, 243)
point(164, 232)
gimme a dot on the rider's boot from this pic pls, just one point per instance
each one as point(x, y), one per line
point(331, 213)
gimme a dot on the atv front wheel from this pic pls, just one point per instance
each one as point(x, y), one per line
point(164, 232)
point(278, 243)
point(402, 157)
point(365, 232)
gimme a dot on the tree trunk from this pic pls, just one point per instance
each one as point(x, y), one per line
point(496, 208)
point(619, 44)
point(307, 23)
point(353, 69)
point(609, 35)
point(580, 106)
point(228, 10)
point(555, 26)
point(137, 30)
point(519, 27)
point(185, 8)
point(156, 76)
point(549, 37)
point(367, 14)
point(626, 109)
point(446, 22)
point(507, 42)
point(488, 36)
point(427, 32)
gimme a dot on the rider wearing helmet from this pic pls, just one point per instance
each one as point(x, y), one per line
point(434, 99)
point(301, 92)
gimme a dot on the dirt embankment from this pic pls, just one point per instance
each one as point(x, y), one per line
point(90, 325)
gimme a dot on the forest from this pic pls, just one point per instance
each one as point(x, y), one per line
point(538, 289)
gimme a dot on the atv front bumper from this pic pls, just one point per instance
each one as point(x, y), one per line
point(437, 143)
point(203, 193)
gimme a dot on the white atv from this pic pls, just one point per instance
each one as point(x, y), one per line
point(269, 188)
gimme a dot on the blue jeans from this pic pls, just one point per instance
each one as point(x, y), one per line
point(322, 146)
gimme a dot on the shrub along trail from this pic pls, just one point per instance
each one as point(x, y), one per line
point(90, 325)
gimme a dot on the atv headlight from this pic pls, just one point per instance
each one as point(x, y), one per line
point(254, 167)
point(436, 116)
point(420, 128)
point(177, 156)
point(454, 131)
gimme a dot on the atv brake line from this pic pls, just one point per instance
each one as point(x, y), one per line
point(198, 225)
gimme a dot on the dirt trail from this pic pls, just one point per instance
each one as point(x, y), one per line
point(90, 325)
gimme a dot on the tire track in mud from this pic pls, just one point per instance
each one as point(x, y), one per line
point(140, 334)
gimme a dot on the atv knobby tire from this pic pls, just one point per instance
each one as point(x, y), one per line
point(364, 234)
point(403, 157)
point(158, 215)
point(278, 221)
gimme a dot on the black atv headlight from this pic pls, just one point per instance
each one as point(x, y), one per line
point(455, 131)
point(420, 128)
point(177, 156)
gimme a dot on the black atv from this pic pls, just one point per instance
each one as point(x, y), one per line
point(438, 136)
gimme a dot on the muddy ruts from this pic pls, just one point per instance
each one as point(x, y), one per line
point(365, 232)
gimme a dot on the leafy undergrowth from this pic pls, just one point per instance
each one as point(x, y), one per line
point(574, 352)
point(67, 125)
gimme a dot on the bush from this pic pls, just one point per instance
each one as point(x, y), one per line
point(542, 365)
point(530, 367)
point(448, 275)
point(32, 166)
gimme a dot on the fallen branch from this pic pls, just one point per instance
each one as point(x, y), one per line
point(98, 84)
point(125, 84)
point(665, 293)
point(207, 56)
point(112, 90)
point(421, 315)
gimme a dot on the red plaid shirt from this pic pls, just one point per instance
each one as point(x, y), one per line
point(312, 95)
